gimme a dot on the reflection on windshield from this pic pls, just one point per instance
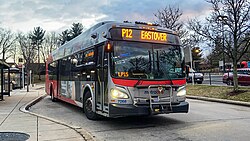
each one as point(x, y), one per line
point(147, 61)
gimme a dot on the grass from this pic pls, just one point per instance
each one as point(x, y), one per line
point(221, 92)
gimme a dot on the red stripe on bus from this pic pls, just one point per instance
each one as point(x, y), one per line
point(131, 83)
point(71, 101)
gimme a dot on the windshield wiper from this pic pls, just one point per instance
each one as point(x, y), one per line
point(169, 78)
point(157, 61)
point(138, 82)
point(150, 61)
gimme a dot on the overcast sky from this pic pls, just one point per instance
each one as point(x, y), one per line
point(58, 15)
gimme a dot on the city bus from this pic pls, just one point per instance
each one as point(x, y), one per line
point(117, 69)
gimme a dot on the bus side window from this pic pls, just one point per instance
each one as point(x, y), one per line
point(65, 68)
point(79, 58)
point(76, 67)
point(88, 57)
point(52, 70)
point(88, 63)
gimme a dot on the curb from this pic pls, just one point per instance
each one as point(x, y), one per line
point(86, 135)
point(247, 104)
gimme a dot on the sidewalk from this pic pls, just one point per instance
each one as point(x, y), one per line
point(241, 103)
point(17, 125)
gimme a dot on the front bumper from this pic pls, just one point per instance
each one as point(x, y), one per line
point(121, 110)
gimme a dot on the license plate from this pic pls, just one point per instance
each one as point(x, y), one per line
point(153, 92)
point(155, 99)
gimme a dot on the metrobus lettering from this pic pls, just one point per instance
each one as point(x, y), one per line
point(151, 35)
point(152, 92)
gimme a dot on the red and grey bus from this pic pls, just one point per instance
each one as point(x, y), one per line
point(120, 69)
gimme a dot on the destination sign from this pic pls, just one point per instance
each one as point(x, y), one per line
point(144, 35)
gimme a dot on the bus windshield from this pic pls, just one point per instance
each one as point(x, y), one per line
point(133, 60)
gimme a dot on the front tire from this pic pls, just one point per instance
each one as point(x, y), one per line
point(88, 107)
point(230, 82)
point(199, 82)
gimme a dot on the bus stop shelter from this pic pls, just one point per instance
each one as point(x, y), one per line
point(5, 80)
point(15, 78)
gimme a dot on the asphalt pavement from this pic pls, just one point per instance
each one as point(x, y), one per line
point(18, 124)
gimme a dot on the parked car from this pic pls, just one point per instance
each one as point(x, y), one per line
point(243, 77)
point(198, 77)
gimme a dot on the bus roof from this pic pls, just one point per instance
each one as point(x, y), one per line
point(98, 34)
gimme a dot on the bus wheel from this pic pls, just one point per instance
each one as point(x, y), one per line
point(53, 99)
point(88, 107)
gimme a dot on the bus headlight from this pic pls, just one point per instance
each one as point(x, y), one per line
point(181, 91)
point(118, 94)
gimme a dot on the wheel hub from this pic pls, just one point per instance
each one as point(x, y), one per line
point(89, 105)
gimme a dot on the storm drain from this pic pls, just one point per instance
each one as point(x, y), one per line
point(13, 136)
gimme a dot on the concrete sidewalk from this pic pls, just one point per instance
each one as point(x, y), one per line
point(17, 125)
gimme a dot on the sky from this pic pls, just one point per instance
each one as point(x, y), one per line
point(58, 15)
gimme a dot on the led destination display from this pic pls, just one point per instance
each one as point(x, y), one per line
point(144, 35)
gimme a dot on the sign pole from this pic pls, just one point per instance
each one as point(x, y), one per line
point(23, 76)
point(191, 64)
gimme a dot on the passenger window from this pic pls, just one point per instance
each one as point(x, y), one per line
point(52, 70)
point(84, 67)
point(65, 68)
point(88, 57)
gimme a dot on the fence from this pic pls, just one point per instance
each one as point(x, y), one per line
point(220, 79)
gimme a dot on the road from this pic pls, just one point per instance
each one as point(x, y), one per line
point(206, 121)
point(215, 80)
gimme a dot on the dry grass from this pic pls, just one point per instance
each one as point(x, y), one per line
point(221, 92)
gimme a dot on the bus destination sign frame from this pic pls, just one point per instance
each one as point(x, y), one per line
point(143, 35)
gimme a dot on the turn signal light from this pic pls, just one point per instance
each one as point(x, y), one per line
point(108, 47)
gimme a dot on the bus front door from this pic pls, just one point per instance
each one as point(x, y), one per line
point(102, 80)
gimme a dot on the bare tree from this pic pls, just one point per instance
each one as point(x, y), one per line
point(50, 43)
point(28, 51)
point(7, 40)
point(229, 19)
point(169, 17)
point(15, 51)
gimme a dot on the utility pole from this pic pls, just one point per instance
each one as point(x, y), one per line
point(223, 19)
point(191, 64)
point(38, 47)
